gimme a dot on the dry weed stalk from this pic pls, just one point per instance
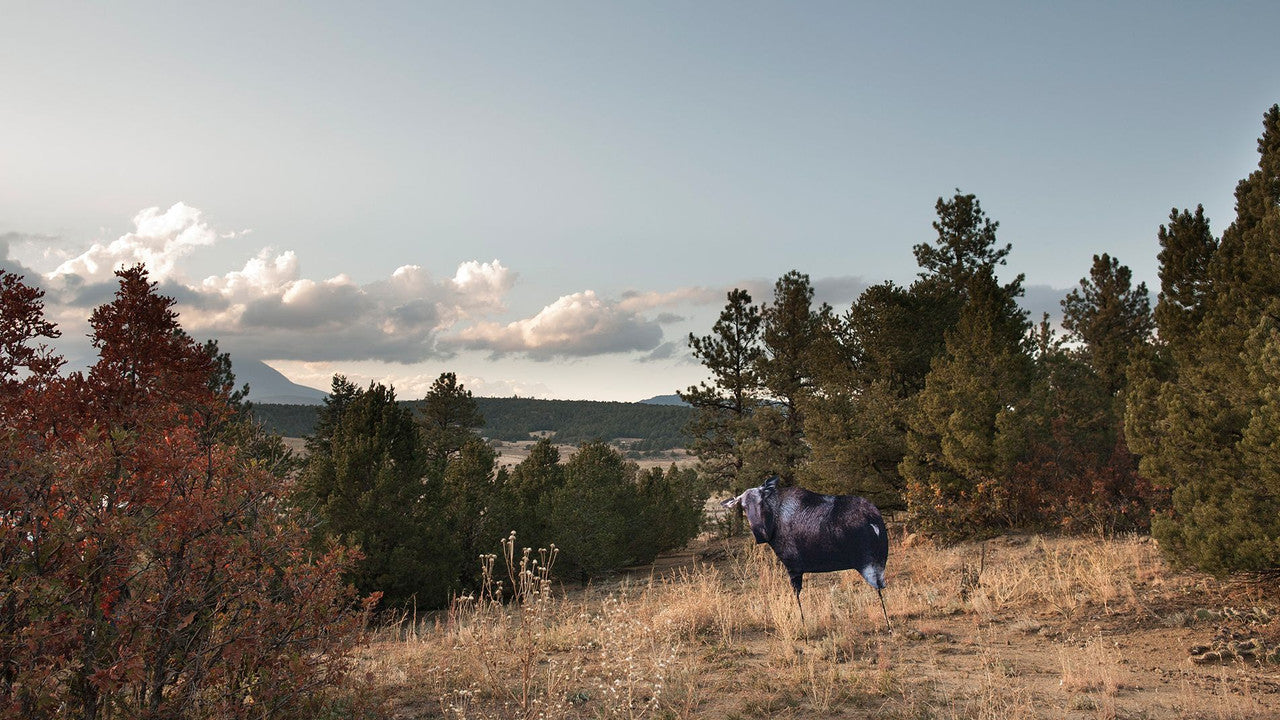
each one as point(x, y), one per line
point(503, 629)
point(1095, 670)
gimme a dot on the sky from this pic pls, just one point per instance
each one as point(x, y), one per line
point(548, 198)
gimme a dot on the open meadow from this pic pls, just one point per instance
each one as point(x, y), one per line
point(1017, 627)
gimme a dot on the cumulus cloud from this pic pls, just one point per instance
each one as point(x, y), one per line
point(267, 309)
point(575, 325)
point(635, 301)
point(278, 314)
point(159, 240)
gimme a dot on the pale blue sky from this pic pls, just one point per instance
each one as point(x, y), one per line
point(654, 154)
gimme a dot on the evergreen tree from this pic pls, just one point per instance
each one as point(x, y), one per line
point(525, 496)
point(894, 333)
point(966, 244)
point(965, 434)
point(721, 424)
point(671, 505)
point(1209, 434)
point(857, 437)
point(786, 367)
point(470, 502)
point(1108, 318)
point(1186, 247)
point(964, 429)
point(855, 423)
point(1078, 473)
point(595, 513)
point(364, 482)
point(448, 417)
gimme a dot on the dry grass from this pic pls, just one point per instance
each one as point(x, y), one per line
point(1027, 628)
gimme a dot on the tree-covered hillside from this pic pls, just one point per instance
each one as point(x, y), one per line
point(655, 427)
point(943, 398)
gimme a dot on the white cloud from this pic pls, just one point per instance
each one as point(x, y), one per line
point(261, 276)
point(635, 301)
point(279, 314)
point(159, 240)
point(574, 325)
point(479, 288)
point(268, 310)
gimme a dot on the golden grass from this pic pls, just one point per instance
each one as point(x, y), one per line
point(727, 640)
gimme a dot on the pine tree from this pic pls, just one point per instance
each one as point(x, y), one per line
point(1209, 434)
point(470, 500)
point(857, 437)
point(364, 481)
point(965, 248)
point(721, 424)
point(1186, 247)
point(524, 496)
point(1108, 318)
point(1078, 472)
point(596, 514)
point(786, 367)
point(855, 423)
point(449, 417)
point(965, 434)
point(894, 333)
point(964, 431)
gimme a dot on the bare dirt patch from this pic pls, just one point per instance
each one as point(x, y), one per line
point(512, 453)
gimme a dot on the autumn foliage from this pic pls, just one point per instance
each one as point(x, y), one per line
point(150, 565)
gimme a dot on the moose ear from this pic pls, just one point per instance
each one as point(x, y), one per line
point(731, 502)
point(769, 486)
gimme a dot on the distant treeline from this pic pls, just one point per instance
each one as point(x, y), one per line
point(654, 427)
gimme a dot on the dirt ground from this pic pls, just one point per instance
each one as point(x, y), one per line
point(511, 453)
point(1016, 627)
point(1180, 645)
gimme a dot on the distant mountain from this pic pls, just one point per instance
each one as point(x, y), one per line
point(664, 400)
point(267, 385)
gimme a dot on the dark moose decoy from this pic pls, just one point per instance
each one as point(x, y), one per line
point(813, 533)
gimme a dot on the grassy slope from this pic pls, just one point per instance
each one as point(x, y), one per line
point(1052, 628)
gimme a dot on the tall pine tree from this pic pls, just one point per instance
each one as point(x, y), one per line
point(1209, 435)
point(721, 424)
point(964, 434)
point(791, 328)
